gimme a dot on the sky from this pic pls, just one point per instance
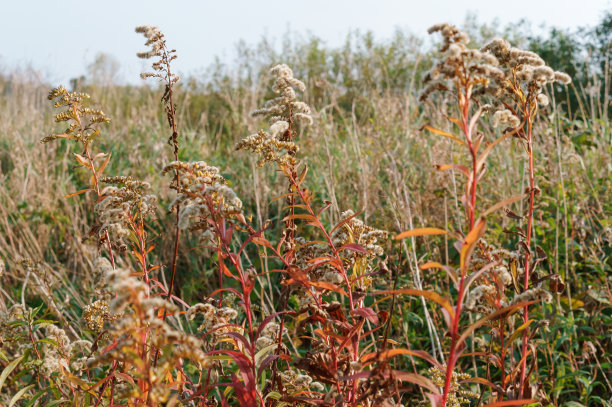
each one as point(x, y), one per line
point(60, 38)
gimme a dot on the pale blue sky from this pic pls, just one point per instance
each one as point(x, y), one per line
point(60, 38)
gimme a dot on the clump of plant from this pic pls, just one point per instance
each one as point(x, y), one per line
point(507, 83)
point(304, 316)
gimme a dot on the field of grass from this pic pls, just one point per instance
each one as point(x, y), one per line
point(293, 283)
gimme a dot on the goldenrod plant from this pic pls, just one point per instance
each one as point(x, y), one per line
point(311, 241)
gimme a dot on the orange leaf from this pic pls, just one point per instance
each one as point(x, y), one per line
point(225, 270)
point(82, 191)
point(299, 216)
point(261, 241)
point(432, 265)
point(443, 133)
point(504, 203)
point(82, 160)
point(103, 165)
point(388, 354)
point(462, 168)
point(421, 232)
point(470, 241)
point(449, 270)
point(328, 286)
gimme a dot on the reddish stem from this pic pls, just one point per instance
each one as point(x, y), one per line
point(471, 207)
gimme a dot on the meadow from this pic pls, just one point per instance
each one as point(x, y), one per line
point(317, 226)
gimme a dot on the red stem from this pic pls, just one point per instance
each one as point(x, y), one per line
point(450, 364)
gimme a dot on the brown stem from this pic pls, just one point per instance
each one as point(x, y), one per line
point(527, 252)
point(175, 144)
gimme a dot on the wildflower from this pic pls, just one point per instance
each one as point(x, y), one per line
point(459, 64)
point(268, 338)
point(536, 293)
point(82, 120)
point(96, 314)
point(542, 100)
point(284, 112)
point(295, 382)
point(120, 204)
point(154, 38)
point(525, 74)
point(481, 299)
point(215, 321)
point(201, 190)
point(456, 395)
point(57, 354)
point(505, 117)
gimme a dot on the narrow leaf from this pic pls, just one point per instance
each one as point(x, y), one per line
point(420, 232)
point(18, 395)
point(388, 354)
point(443, 133)
point(82, 160)
point(103, 165)
point(499, 313)
point(503, 203)
point(324, 285)
point(480, 161)
point(299, 216)
point(461, 168)
point(470, 241)
point(82, 191)
point(416, 379)
point(354, 247)
point(368, 313)
point(8, 369)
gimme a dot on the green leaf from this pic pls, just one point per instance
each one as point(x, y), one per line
point(47, 340)
point(37, 396)
point(8, 369)
point(20, 393)
point(273, 395)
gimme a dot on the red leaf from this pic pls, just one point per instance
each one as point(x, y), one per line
point(354, 247)
point(367, 313)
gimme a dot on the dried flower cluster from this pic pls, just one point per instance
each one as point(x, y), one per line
point(155, 39)
point(202, 190)
point(457, 396)
point(355, 231)
point(294, 382)
point(459, 66)
point(284, 113)
point(97, 314)
point(361, 243)
point(525, 74)
point(215, 320)
point(121, 204)
point(82, 120)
